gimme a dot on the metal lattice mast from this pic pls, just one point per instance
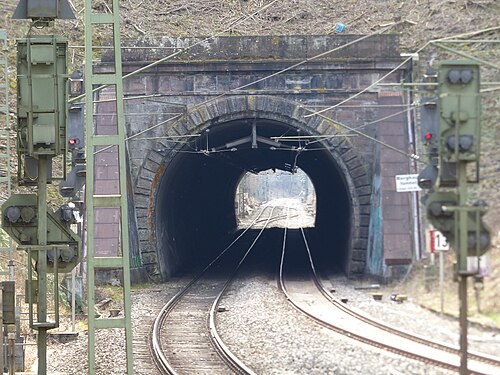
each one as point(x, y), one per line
point(5, 157)
point(103, 200)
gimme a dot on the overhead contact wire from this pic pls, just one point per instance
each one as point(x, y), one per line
point(181, 50)
point(412, 156)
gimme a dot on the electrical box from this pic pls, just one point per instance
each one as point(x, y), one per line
point(43, 9)
point(20, 220)
point(41, 95)
point(9, 302)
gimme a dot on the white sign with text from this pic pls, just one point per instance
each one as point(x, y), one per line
point(407, 183)
point(439, 241)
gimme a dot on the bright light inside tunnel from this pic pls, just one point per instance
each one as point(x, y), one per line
point(291, 194)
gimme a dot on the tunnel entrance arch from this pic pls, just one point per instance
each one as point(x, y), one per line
point(192, 186)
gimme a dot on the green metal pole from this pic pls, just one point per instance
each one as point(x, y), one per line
point(42, 265)
point(462, 265)
point(462, 291)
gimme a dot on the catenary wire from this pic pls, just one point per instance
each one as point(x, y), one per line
point(182, 50)
point(301, 63)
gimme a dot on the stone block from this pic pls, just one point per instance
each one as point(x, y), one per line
point(396, 226)
point(213, 110)
point(388, 155)
point(393, 212)
point(364, 220)
point(357, 267)
point(237, 104)
point(345, 116)
point(393, 198)
point(359, 171)
point(142, 222)
point(195, 119)
point(149, 169)
point(314, 122)
point(141, 201)
point(390, 170)
point(286, 108)
point(141, 212)
point(353, 163)
point(365, 209)
point(149, 258)
point(222, 107)
point(361, 181)
point(391, 128)
point(360, 243)
point(147, 174)
point(144, 183)
point(143, 234)
point(348, 154)
point(364, 199)
point(363, 232)
point(359, 255)
point(146, 247)
point(389, 183)
point(364, 190)
point(397, 246)
point(141, 191)
point(168, 84)
point(397, 141)
point(135, 85)
point(324, 127)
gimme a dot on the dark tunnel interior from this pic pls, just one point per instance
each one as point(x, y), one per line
point(195, 201)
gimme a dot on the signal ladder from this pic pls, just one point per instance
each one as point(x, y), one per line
point(106, 201)
point(5, 182)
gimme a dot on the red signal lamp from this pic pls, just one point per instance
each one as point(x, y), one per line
point(73, 141)
point(428, 136)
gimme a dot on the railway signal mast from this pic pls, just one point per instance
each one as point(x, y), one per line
point(46, 236)
point(457, 135)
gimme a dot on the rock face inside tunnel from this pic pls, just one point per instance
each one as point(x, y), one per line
point(217, 110)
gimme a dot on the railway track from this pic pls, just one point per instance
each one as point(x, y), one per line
point(309, 297)
point(184, 337)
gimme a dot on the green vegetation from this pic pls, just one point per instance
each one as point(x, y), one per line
point(427, 293)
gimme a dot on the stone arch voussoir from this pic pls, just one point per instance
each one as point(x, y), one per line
point(275, 108)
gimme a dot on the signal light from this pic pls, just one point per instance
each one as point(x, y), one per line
point(460, 111)
point(73, 141)
point(428, 136)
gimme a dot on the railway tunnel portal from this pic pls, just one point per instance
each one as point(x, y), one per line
point(187, 219)
point(225, 108)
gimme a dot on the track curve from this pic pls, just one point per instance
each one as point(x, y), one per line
point(309, 297)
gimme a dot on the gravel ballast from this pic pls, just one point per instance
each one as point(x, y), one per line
point(269, 335)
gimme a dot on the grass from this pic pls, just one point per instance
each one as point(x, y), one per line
point(494, 316)
point(109, 291)
point(426, 292)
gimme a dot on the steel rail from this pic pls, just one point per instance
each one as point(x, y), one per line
point(480, 357)
point(483, 358)
point(215, 337)
point(158, 355)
